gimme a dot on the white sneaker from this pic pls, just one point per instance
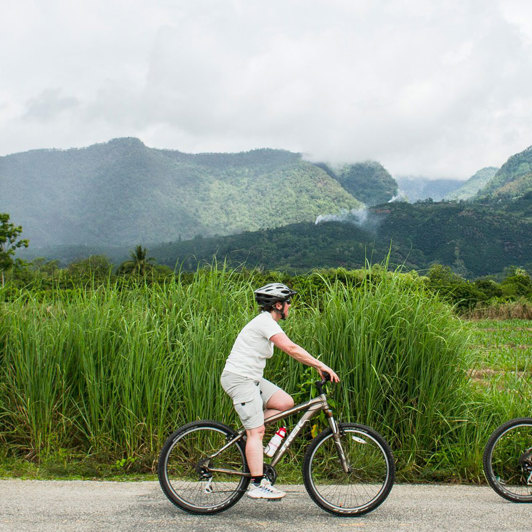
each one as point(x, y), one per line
point(265, 490)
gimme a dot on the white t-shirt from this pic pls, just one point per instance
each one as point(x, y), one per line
point(252, 347)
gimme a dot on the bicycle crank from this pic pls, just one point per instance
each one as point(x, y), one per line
point(270, 473)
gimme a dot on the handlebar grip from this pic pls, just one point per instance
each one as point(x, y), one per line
point(320, 384)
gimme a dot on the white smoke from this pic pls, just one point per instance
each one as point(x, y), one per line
point(363, 218)
point(355, 216)
point(400, 196)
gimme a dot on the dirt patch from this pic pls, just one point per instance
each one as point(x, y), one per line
point(484, 374)
point(495, 329)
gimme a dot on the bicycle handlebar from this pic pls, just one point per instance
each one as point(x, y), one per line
point(320, 384)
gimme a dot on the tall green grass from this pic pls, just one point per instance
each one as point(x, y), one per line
point(401, 354)
point(111, 370)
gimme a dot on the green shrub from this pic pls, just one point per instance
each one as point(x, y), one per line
point(517, 284)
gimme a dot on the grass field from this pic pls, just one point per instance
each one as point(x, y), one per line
point(501, 364)
point(502, 346)
point(500, 376)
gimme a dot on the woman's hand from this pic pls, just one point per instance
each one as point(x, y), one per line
point(326, 369)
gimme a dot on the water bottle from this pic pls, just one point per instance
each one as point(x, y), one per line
point(270, 449)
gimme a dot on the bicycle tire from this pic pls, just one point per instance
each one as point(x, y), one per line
point(501, 460)
point(184, 480)
point(367, 484)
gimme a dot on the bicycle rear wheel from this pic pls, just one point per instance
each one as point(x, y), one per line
point(370, 477)
point(184, 465)
point(508, 460)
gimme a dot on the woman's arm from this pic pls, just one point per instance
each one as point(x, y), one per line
point(284, 343)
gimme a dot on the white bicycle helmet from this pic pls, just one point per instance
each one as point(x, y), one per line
point(271, 293)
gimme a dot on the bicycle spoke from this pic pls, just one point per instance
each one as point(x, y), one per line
point(187, 476)
point(366, 484)
point(509, 462)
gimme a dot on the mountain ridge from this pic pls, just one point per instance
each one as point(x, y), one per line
point(513, 179)
point(474, 184)
point(122, 192)
point(475, 239)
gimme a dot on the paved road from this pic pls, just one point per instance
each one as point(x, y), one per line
point(82, 505)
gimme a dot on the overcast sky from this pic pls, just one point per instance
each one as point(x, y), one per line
point(439, 88)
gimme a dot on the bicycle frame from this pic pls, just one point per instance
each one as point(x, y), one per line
point(312, 407)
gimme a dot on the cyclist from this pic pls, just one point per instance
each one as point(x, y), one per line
point(255, 398)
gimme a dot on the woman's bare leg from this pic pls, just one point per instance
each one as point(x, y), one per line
point(278, 402)
point(254, 450)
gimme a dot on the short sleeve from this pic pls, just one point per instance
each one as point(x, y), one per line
point(269, 327)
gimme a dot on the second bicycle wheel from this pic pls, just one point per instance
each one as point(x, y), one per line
point(508, 460)
point(368, 481)
point(184, 468)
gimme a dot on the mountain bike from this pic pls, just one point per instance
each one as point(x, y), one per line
point(508, 460)
point(348, 469)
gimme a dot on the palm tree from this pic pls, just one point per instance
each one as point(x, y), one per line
point(139, 264)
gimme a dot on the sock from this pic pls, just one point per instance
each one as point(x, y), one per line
point(257, 480)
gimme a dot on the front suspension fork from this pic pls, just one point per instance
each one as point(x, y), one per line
point(336, 437)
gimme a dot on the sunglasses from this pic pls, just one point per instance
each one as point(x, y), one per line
point(288, 301)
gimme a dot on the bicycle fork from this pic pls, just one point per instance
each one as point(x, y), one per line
point(336, 437)
point(314, 406)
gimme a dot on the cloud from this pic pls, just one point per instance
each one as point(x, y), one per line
point(438, 89)
point(48, 105)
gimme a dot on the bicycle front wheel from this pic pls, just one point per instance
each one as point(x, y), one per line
point(185, 463)
point(370, 475)
point(508, 460)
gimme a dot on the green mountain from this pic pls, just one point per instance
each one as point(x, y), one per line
point(475, 239)
point(112, 196)
point(124, 193)
point(513, 179)
point(368, 181)
point(473, 185)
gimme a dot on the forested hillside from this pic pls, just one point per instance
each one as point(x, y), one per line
point(109, 197)
point(474, 239)
point(123, 193)
point(368, 181)
point(514, 178)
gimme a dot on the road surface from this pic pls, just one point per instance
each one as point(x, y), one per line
point(91, 505)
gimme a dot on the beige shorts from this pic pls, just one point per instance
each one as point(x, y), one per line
point(249, 397)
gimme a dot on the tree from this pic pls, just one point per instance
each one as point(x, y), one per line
point(517, 283)
point(95, 267)
point(44, 268)
point(452, 287)
point(139, 264)
point(9, 243)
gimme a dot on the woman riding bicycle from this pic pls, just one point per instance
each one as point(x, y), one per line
point(254, 397)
